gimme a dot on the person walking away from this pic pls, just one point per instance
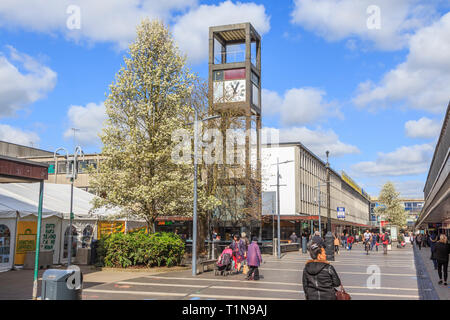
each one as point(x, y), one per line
point(293, 237)
point(432, 242)
point(343, 240)
point(245, 243)
point(442, 250)
point(425, 240)
point(319, 277)
point(254, 259)
point(378, 239)
point(374, 240)
point(318, 239)
point(385, 240)
point(336, 244)
point(419, 241)
point(238, 251)
point(350, 241)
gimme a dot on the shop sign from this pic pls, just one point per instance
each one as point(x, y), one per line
point(49, 237)
point(26, 241)
point(340, 212)
point(165, 223)
point(105, 228)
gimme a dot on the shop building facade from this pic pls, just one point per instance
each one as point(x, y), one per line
point(435, 214)
point(300, 183)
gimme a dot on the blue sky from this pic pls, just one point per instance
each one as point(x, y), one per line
point(375, 97)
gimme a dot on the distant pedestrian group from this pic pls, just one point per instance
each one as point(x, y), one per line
point(245, 257)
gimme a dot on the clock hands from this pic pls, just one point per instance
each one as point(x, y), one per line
point(235, 87)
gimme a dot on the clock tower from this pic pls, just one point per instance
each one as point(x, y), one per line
point(235, 89)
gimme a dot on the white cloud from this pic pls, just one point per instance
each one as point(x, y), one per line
point(335, 20)
point(422, 128)
point(318, 141)
point(191, 30)
point(115, 21)
point(406, 160)
point(410, 189)
point(101, 20)
point(18, 136)
point(23, 81)
point(299, 106)
point(423, 80)
point(89, 120)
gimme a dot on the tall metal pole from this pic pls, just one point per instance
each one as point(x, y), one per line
point(320, 221)
point(69, 245)
point(194, 220)
point(328, 195)
point(329, 238)
point(278, 207)
point(38, 240)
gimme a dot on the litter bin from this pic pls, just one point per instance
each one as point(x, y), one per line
point(56, 285)
point(304, 244)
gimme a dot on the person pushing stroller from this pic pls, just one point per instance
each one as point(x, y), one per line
point(224, 262)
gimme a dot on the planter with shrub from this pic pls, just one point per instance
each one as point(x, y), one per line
point(140, 249)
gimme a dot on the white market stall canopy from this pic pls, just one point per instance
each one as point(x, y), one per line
point(9, 206)
point(24, 198)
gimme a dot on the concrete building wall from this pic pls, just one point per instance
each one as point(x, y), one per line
point(59, 174)
point(269, 171)
point(19, 151)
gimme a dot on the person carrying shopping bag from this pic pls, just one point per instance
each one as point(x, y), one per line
point(254, 260)
point(319, 277)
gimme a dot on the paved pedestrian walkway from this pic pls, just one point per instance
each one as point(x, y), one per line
point(280, 279)
point(442, 292)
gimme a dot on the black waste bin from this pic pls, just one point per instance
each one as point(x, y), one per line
point(56, 285)
point(304, 245)
point(94, 246)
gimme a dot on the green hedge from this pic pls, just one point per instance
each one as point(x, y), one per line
point(140, 249)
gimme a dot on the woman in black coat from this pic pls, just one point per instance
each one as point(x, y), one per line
point(441, 251)
point(319, 276)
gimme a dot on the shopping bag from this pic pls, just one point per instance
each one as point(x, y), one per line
point(389, 247)
point(342, 295)
point(245, 271)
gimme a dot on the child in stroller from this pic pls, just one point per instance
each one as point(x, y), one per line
point(224, 263)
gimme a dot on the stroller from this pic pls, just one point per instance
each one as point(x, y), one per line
point(224, 263)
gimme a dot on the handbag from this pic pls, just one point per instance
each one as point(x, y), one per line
point(342, 294)
point(245, 270)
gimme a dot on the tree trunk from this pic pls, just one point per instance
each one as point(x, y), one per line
point(202, 230)
point(151, 226)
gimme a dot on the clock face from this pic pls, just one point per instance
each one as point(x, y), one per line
point(229, 91)
point(235, 90)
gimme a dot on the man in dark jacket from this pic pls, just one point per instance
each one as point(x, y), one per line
point(318, 239)
point(442, 250)
point(319, 276)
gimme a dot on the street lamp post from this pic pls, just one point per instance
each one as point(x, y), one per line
point(195, 215)
point(278, 204)
point(72, 175)
point(319, 204)
point(329, 239)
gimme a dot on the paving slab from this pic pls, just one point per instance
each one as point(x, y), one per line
point(396, 275)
